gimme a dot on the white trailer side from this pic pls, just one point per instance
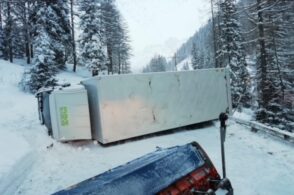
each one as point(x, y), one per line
point(126, 106)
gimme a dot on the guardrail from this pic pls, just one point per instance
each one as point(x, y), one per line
point(256, 126)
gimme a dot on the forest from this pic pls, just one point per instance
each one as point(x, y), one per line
point(52, 33)
point(253, 38)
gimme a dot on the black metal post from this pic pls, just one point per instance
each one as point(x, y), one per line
point(223, 117)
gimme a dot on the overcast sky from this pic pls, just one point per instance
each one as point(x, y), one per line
point(161, 26)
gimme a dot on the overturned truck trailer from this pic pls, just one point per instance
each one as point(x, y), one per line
point(126, 106)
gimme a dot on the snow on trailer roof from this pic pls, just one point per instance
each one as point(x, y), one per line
point(256, 162)
point(154, 73)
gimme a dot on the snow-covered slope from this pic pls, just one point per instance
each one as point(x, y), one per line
point(185, 64)
point(161, 26)
point(32, 163)
point(14, 110)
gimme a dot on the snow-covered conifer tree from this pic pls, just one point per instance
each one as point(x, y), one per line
point(44, 67)
point(93, 51)
point(1, 41)
point(195, 57)
point(57, 27)
point(233, 53)
point(1, 34)
point(116, 38)
point(275, 63)
point(8, 30)
point(122, 51)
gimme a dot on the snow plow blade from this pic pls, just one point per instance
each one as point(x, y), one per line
point(178, 170)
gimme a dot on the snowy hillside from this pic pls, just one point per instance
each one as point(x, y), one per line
point(160, 27)
point(185, 64)
point(32, 163)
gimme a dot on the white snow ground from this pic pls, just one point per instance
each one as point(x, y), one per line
point(33, 163)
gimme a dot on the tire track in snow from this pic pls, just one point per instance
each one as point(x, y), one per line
point(17, 151)
point(14, 178)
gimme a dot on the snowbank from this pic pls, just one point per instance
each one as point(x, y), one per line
point(13, 147)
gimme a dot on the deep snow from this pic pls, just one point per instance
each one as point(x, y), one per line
point(33, 163)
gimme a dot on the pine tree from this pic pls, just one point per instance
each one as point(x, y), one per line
point(8, 31)
point(274, 63)
point(110, 21)
point(115, 37)
point(18, 42)
point(43, 71)
point(1, 33)
point(59, 30)
point(233, 53)
point(45, 67)
point(18, 14)
point(123, 51)
point(25, 8)
point(1, 42)
point(73, 41)
point(13, 44)
point(93, 51)
point(195, 57)
point(286, 60)
point(14, 26)
point(157, 64)
point(57, 27)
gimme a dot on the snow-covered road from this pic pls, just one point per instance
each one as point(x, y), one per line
point(33, 163)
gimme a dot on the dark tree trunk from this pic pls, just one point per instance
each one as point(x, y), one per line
point(27, 31)
point(110, 65)
point(0, 15)
point(1, 29)
point(264, 96)
point(220, 58)
point(119, 63)
point(32, 51)
point(10, 51)
point(73, 37)
point(214, 35)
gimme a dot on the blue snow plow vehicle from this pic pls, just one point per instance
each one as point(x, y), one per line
point(178, 170)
